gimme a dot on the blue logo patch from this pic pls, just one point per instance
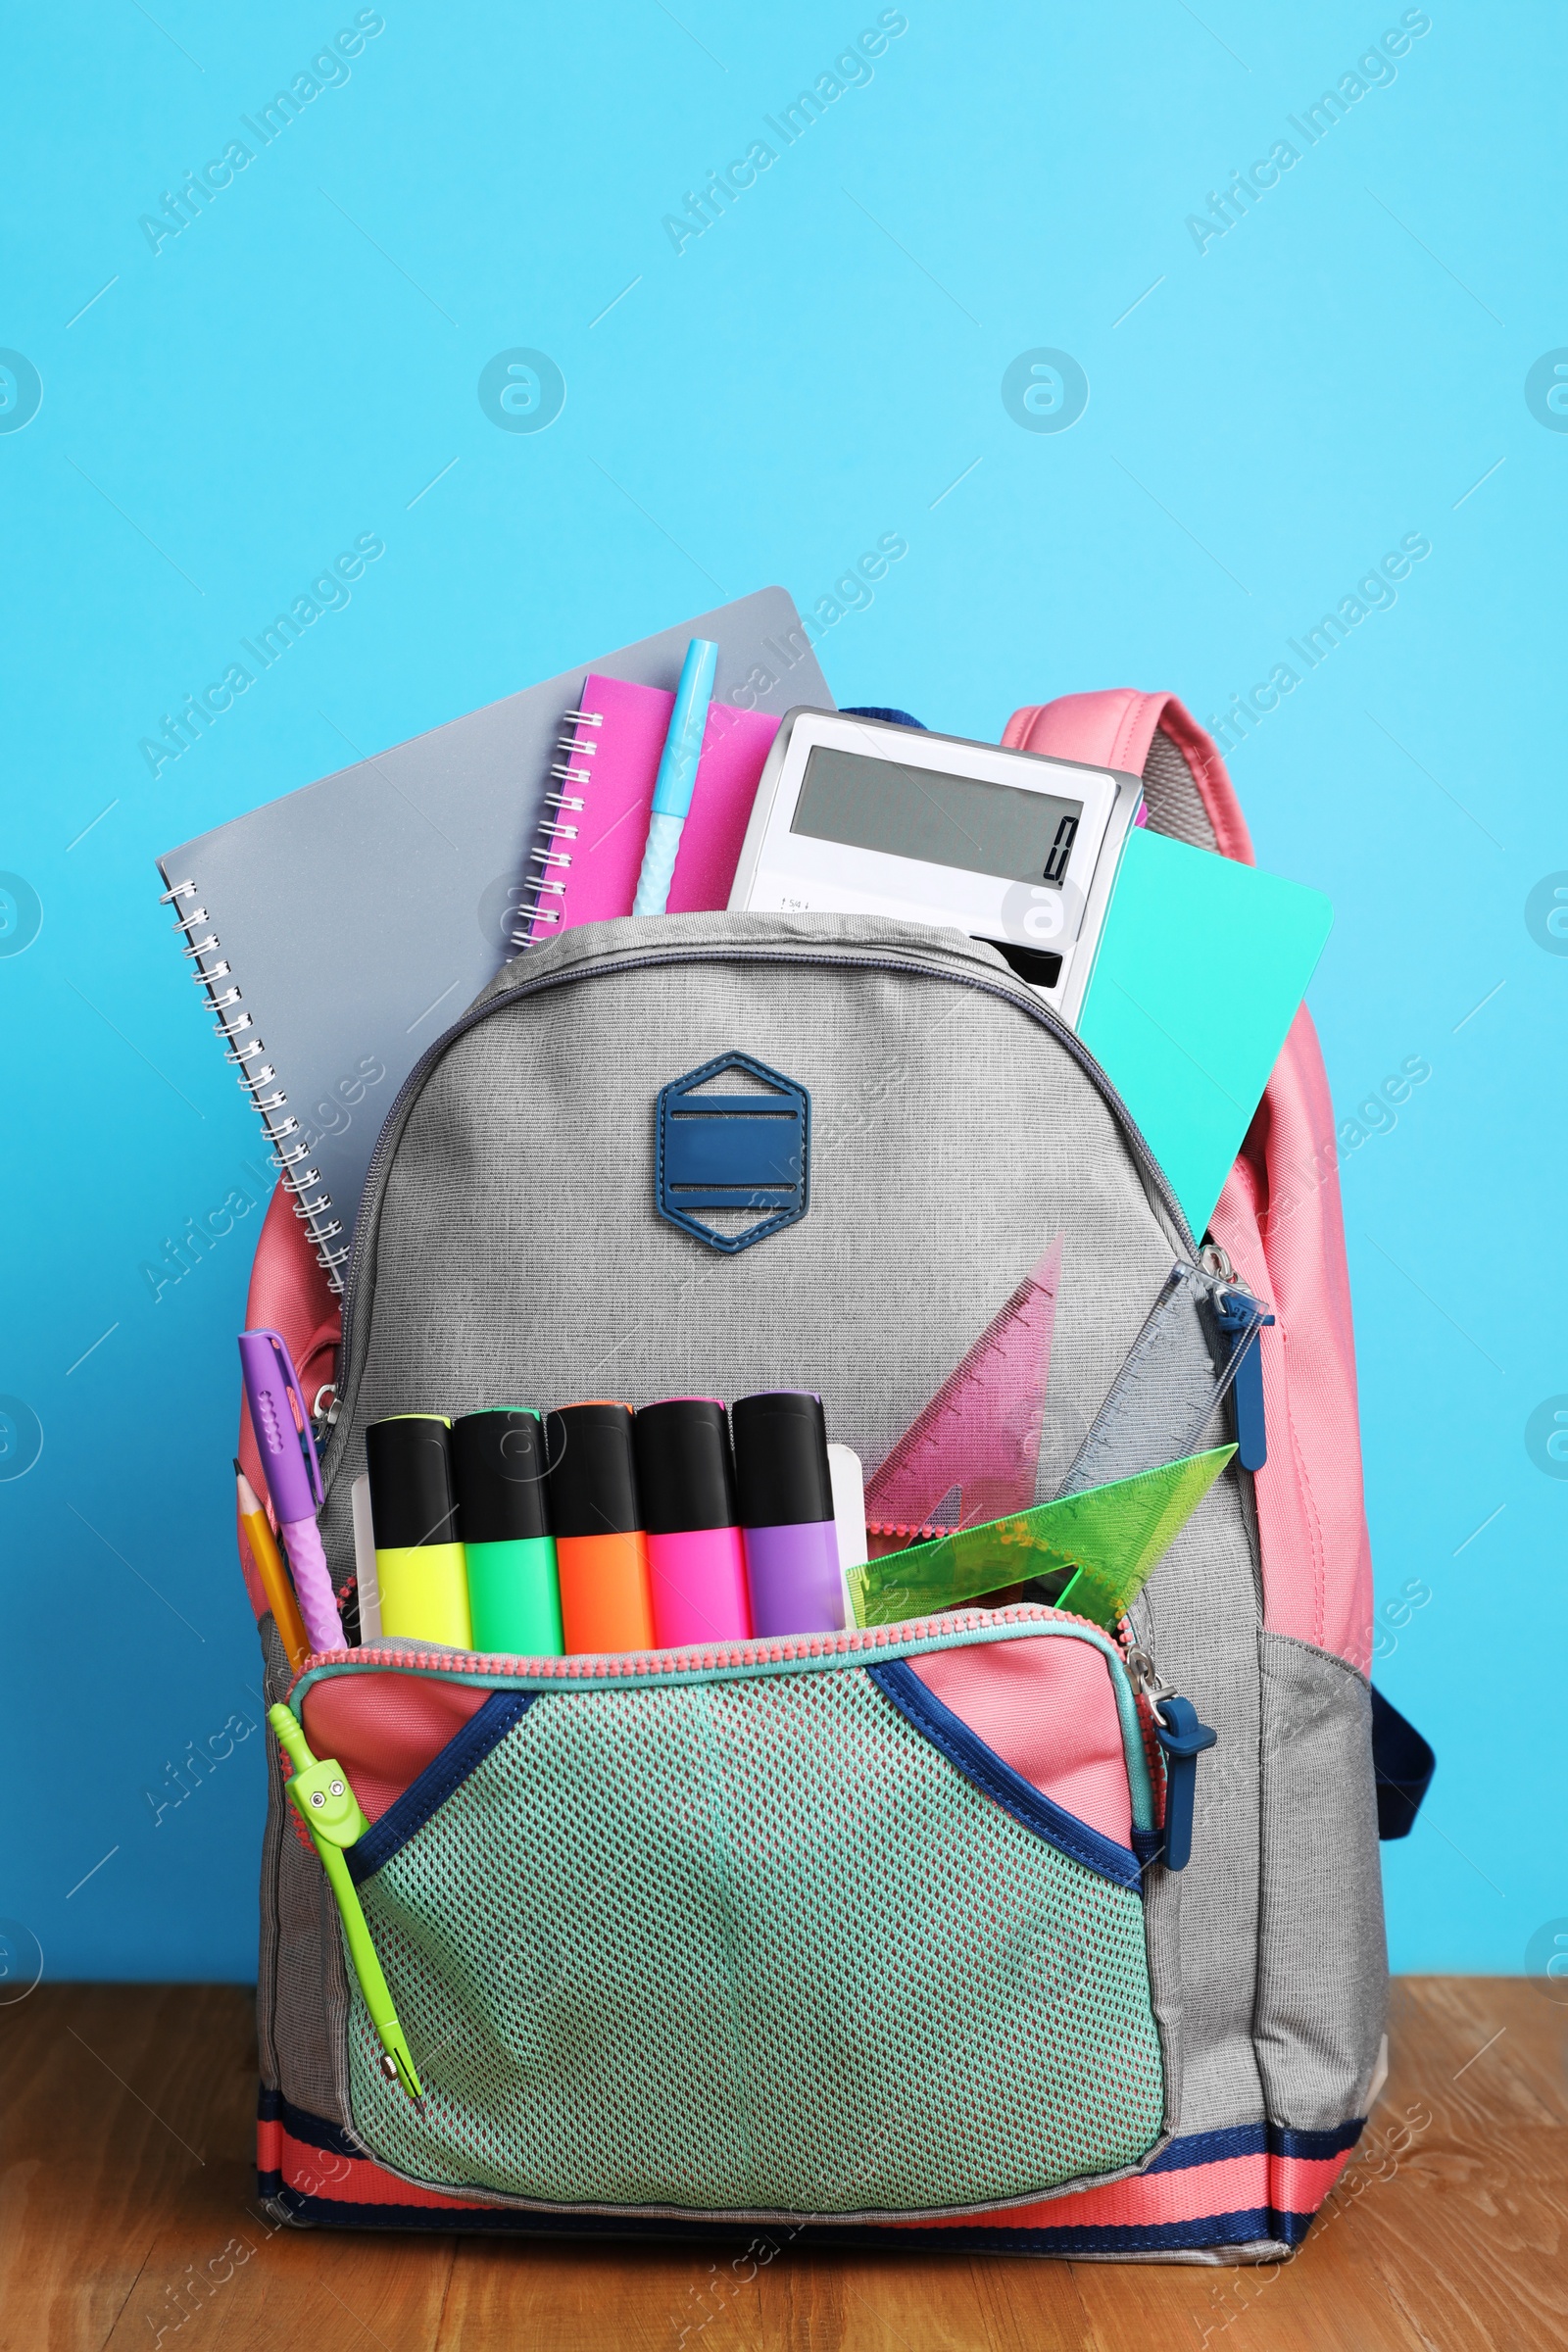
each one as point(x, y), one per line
point(743, 1157)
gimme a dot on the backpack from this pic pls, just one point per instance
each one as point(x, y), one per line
point(862, 1937)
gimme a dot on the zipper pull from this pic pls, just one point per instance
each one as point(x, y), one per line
point(331, 1811)
point(1241, 1317)
point(1184, 1740)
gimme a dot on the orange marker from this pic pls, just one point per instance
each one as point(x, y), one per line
point(274, 1575)
point(601, 1550)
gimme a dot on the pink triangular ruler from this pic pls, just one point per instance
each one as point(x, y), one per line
point(980, 1433)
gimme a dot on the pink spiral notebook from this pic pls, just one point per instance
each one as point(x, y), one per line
point(589, 850)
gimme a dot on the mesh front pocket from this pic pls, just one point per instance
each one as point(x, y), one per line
point(757, 1946)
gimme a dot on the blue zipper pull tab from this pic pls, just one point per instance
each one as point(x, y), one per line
point(1182, 1739)
point(1242, 1319)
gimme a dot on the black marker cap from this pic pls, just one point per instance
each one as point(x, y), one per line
point(410, 1461)
point(683, 1468)
point(498, 1468)
point(782, 1477)
point(590, 1482)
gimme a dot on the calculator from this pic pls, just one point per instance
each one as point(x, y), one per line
point(858, 815)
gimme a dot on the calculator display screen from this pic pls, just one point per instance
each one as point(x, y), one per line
point(964, 821)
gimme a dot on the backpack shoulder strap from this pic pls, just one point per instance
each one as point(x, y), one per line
point(1278, 1216)
point(1185, 785)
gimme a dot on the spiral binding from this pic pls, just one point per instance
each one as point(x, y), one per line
point(242, 1047)
point(552, 862)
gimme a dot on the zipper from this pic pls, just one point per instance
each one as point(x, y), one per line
point(1182, 1739)
point(1144, 1675)
point(1215, 1261)
point(1241, 1318)
point(735, 1661)
point(653, 958)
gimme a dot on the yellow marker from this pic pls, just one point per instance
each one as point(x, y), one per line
point(274, 1575)
point(418, 1560)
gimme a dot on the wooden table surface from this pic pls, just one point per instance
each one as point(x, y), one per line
point(129, 2217)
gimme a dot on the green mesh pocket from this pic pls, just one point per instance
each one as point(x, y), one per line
point(750, 1946)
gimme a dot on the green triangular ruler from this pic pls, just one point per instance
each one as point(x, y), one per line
point(1108, 1540)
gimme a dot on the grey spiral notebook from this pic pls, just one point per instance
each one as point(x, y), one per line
point(337, 931)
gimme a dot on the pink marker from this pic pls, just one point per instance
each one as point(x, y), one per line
point(696, 1558)
point(282, 1429)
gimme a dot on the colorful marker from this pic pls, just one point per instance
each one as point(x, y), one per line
point(601, 1550)
point(419, 1559)
point(784, 1486)
point(498, 1469)
point(281, 1425)
point(695, 1560)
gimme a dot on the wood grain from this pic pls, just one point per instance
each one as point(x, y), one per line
point(129, 2217)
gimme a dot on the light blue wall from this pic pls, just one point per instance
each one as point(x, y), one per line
point(1345, 365)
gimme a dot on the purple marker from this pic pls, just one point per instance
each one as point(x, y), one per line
point(784, 1488)
point(284, 1435)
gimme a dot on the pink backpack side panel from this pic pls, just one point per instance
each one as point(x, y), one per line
point(1278, 1216)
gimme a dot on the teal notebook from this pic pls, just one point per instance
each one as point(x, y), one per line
point(1202, 966)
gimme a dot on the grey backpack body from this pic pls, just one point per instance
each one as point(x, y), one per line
point(513, 1250)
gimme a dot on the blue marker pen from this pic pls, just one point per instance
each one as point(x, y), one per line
point(677, 775)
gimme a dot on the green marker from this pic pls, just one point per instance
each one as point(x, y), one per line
point(331, 1811)
point(498, 1470)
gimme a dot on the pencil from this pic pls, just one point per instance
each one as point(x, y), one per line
point(274, 1575)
